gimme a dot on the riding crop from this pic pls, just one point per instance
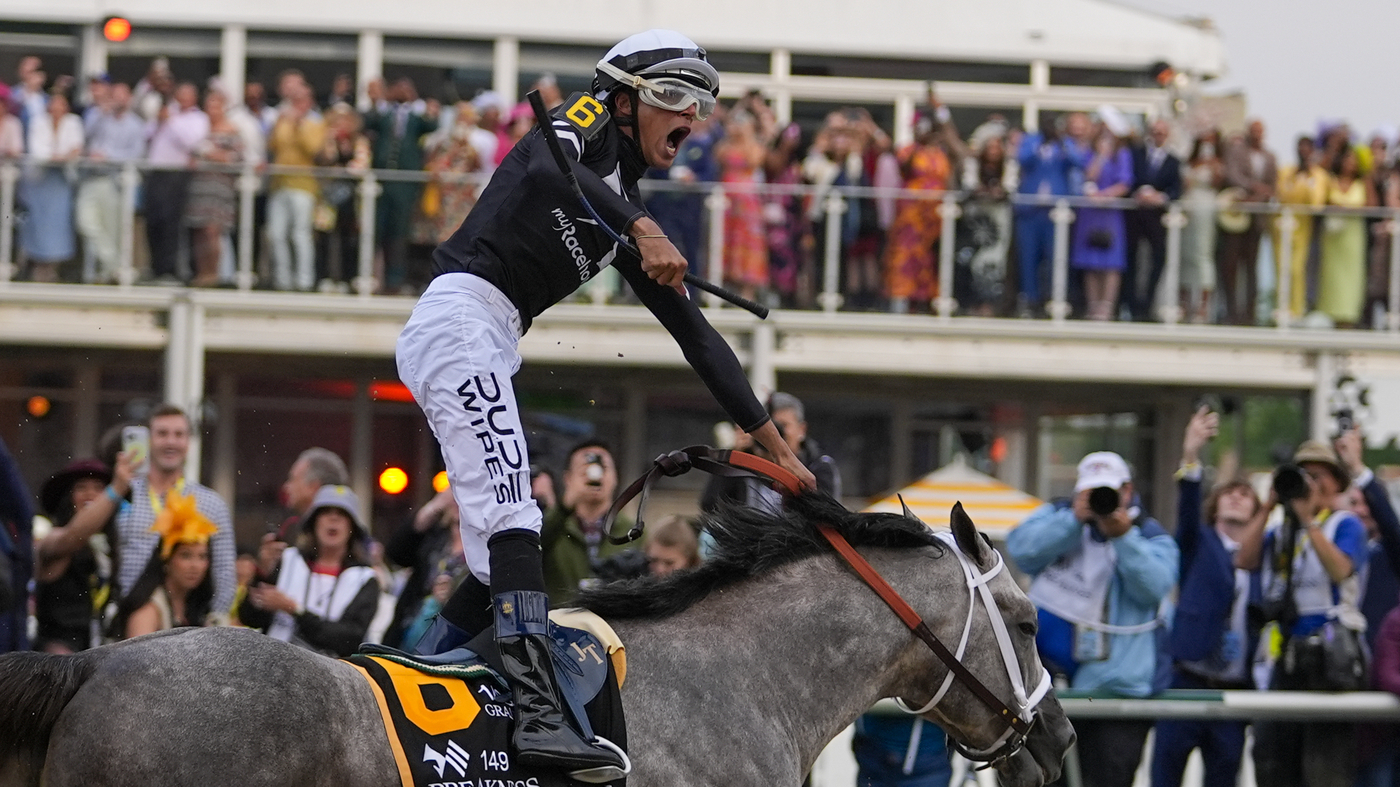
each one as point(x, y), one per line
point(552, 139)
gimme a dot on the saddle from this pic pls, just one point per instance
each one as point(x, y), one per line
point(454, 707)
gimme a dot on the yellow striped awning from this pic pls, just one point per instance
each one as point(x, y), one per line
point(995, 507)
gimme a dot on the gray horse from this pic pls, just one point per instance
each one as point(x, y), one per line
point(739, 673)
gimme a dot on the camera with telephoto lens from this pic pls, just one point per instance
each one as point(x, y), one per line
point(1291, 483)
point(593, 468)
point(1103, 500)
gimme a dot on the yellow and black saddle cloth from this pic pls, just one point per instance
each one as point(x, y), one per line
point(449, 725)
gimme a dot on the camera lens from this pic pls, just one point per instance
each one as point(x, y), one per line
point(1290, 483)
point(1103, 500)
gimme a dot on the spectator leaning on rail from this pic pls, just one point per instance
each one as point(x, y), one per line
point(1210, 640)
point(1100, 572)
point(1310, 562)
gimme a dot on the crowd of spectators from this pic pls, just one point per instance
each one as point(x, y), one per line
point(1290, 585)
point(123, 546)
point(192, 140)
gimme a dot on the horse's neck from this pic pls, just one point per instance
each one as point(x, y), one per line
point(809, 645)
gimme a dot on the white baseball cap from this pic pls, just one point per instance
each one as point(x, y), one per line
point(1102, 468)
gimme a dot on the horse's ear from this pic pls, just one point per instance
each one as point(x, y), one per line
point(969, 540)
point(908, 512)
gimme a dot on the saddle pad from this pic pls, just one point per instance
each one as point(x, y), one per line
point(591, 622)
point(451, 727)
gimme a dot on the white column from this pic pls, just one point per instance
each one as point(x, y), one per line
point(716, 203)
point(233, 61)
point(1040, 75)
point(903, 121)
point(830, 297)
point(1030, 118)
point(92, 57)
point(1392, 314)
point(1324, 383)
point(1059, 304)
point(1174, 221)
point(505, 67)
point(1283, 276)
point(947, 252)
point(780, 68)
point(369, 64)
point(763, 370)
point(9, 176)
point(176, 357)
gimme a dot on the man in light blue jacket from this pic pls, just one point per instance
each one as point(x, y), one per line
point(1101, 568)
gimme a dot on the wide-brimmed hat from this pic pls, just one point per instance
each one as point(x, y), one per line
point(55, 489)
point(1318, 452)
point(338, 497)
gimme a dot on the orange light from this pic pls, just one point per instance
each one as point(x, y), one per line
point(38, 406)
point(393, 480)
point(440, 481)
point(999, 449)
point(116, 29)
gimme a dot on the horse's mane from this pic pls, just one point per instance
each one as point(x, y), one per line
point(750, 542)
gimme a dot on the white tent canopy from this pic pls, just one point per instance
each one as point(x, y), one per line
point(996, 508)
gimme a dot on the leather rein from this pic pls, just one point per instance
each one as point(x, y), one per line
point(738, 464)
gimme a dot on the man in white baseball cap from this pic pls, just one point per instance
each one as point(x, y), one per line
point(1100, 568)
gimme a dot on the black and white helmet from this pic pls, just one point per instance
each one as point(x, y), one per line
point(667, 69)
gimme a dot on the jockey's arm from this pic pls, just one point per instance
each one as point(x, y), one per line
point(767, 436)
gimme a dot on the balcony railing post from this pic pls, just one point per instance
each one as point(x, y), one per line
point(947, 251)
point(718, 205)
point(247, 191)
point(1174, 221)
point(9, 176)
point(365, 283)
point(1392, 315)
point(830, 297)
point(1061, 215)
point(1283, 287)
point(126, 259)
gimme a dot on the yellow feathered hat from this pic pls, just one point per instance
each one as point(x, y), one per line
point(179, 522)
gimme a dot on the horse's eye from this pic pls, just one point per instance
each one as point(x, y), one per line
point(1029, 629)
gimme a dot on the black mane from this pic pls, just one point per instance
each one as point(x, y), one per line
point(750, 542)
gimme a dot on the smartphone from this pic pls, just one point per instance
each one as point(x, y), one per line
point(136, 443)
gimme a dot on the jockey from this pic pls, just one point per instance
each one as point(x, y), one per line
point(526, 245)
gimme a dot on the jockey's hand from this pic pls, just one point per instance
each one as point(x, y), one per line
point(804, 476)
point(769, 437)
point(661, 260)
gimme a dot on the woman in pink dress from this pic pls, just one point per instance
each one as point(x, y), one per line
point(740, 155)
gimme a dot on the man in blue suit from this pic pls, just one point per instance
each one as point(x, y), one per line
point(1157, 171)
point(1048, 166)
point(1210, 642)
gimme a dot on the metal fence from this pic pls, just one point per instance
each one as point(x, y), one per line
point(826, 205)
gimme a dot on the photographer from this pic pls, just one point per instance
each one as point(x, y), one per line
point(1101, 568)
point(572, 536)
point(1210, 640)
point(1309, 563)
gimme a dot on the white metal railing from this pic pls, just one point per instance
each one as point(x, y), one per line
point(829, 202)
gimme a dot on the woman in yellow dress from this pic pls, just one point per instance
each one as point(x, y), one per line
point(1303, 184)
point(1341, 289)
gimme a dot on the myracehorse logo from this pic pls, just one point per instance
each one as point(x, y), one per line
point(568, 235)
point(453, 756)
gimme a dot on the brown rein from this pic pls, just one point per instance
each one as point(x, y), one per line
point(728, 463)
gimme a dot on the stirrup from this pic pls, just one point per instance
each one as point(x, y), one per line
point(607, 773)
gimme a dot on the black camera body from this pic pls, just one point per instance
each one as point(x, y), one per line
point(1291, 483)
point(1103, 500)
point(594, 468)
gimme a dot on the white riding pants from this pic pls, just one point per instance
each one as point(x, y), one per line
point(456, 355)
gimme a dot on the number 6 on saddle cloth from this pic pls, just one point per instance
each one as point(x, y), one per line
point(1018, 721)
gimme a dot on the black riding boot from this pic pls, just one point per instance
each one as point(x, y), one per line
point(544, 735)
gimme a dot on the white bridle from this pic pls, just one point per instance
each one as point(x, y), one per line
point(1023, 703)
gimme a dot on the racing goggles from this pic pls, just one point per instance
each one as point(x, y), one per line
point(669, 93)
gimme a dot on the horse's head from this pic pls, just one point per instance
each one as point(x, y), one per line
point(1018, 681)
